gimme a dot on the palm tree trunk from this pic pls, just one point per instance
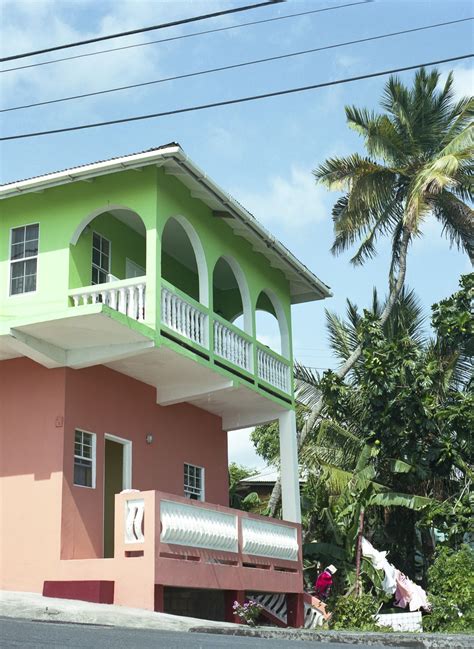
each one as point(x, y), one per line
point(395, 290)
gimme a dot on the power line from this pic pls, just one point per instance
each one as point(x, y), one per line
point(177, 38)
point(231, 67)
point(239, 100)
point(131, 32)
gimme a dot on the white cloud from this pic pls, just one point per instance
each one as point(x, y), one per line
point(291, 201)
point(241, 450)
point(463, 81)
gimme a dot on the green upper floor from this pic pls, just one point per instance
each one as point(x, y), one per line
point(149, 236)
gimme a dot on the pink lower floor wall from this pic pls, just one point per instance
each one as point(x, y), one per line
point(44, 516)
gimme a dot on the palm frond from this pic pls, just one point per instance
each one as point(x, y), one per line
point(396, 499)
point(306, 385)
point(342, 337)
point(457, 219)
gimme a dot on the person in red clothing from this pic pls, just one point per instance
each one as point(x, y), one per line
point(323, 584)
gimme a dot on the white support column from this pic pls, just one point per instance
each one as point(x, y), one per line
point(290, 484)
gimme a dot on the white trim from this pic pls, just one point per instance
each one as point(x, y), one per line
point(285, 342)
point(243, 289)
point(88, 171)
point(201, 261)
point(94, 214)
point(127, 459)
point(94, 458)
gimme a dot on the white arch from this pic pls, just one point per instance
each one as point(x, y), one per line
point(243, 288)
point(201, 262)
point(282, 321)
point(101, 210)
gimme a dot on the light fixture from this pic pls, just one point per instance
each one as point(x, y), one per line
point(149, 438)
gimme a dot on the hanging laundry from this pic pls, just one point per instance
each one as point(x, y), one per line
point(410, 594)
point(380, 562)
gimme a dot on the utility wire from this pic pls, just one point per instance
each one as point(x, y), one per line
point(131, 32)
point(230, 67)
point(239, 100)
point(177, 38)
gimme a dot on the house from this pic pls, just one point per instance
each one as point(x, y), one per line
point(262, 483)
point(122, 368)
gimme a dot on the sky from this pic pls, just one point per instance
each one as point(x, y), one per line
point(262, 153)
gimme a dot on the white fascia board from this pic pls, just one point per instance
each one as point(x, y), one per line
point(87, 171)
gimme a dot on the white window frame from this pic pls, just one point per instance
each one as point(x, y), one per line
point(107, 272)
point(14, 261)
point(93, 458)
point(202, 493)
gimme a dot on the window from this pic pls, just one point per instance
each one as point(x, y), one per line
point(84, 459)
point(23, 259)
point(193, 482)
point(100, 259)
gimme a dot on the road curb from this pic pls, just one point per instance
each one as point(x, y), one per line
point(408, 640)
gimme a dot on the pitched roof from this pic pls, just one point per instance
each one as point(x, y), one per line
point(268, 476)
point(304, 285)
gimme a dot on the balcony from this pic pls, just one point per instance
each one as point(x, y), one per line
point(200, 544)
point(187, 321)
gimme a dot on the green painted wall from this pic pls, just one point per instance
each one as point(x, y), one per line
point(179, 275)
point(227, 303)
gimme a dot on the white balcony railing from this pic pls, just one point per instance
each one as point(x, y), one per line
point(273, 370)
point(192, 524)
point(183, 316)
point(198, 527)
point(232, 346)
point(269, 539)
point(127, 296)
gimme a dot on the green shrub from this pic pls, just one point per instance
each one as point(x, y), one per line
point(355, 613)
point(451, 592)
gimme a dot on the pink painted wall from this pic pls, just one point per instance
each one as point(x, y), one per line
point(45, 515)
point(31, 459)
point(102, 401)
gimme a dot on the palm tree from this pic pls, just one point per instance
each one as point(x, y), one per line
point(419, 165)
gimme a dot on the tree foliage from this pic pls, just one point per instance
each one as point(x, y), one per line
point(237, 500)
point(451, 587)
point(395, 436)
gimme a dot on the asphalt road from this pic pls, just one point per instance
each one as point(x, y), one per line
point(15, 633)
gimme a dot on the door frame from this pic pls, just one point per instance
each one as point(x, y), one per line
point(126, 473)
point(127, 459)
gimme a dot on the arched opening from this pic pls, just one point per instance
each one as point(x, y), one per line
point(108, 245)
point(183, 263)
point(271, 323)
point(231, 297)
